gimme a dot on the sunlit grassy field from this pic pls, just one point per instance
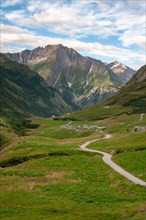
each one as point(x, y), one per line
point(45, 176)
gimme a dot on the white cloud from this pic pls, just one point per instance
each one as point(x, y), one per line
point(22, 38)
point(11, 49)
point(84, 18)
point(123, 19)
point(7, 3)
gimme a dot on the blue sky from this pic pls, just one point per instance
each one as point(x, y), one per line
point(104, 29)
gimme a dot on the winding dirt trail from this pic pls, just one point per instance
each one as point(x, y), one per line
point(107, 159)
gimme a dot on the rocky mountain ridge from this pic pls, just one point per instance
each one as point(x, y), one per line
point(140, 76)
point(131, 99)
point(82, 80)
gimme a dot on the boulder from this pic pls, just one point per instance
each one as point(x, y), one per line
point(139, 128)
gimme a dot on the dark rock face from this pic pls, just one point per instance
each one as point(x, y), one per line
point(81, 80)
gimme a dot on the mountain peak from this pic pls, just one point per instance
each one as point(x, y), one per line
point(53, 46)
point(116, 64)
point(123, 72)
point(115, 61)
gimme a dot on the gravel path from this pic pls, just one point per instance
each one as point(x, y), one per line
point(107, 159)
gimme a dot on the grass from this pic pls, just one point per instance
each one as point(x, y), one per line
point(137, 162)
point(80, 190)
point(122, 123)
point(59, 133)
point(129, 151)
point(52, 129)
point(59, 182)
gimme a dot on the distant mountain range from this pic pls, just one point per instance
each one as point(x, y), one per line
point(24, 93)
point(81, 80)
point(131, 99)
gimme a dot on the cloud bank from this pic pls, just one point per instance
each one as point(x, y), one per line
point(87, 26)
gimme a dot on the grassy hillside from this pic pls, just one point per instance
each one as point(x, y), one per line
point(24, 93)
point(44, 176)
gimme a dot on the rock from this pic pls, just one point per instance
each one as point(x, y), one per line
point(106, 107)
point(81, 127)
point(139, 128)
point(53, 116)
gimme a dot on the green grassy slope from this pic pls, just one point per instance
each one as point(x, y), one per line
point(24, 92)
point(48, 178)
point(45, 176)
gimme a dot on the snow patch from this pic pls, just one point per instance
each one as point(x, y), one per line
point(43, 58)
point(115, 65)
point(69, 84)
point(90, 69)
point(88, 74)
point(124, 67)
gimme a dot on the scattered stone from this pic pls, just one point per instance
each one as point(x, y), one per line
point(139, 128)
point(106, 107)
point(53, 116)
point(83, 127)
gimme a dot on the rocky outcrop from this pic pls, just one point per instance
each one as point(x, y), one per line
point(139, 128)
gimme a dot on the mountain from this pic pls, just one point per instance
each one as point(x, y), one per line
point(24, 93)
point(124, 73)
point(83, 80)
point(139, 76)
point(131, 99)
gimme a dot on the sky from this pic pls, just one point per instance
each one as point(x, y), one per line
point(106, 30)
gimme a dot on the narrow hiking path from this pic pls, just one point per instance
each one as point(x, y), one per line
point(107, 159)
point(3, 149)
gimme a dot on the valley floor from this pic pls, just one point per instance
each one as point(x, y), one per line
point(45, 176)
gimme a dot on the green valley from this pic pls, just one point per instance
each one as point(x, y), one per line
point(45, 174)
point(72, 110)
point(53, 179)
